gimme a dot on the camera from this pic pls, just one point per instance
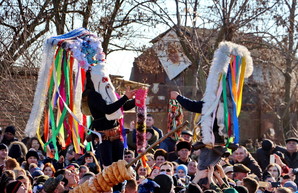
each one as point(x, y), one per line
point(275, 184)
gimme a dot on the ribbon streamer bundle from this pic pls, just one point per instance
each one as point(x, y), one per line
point(223, 96)
point(60, 84)
point(141, 110)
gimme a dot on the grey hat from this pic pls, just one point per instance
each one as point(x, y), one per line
point(292, 139)
point(187, 132)
point(51, 184)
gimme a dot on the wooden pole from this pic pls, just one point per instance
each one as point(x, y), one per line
point(157, 142)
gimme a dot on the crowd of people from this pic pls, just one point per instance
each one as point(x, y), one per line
point(171, 167)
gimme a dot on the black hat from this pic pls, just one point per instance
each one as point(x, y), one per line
point(11, 129)
point(241, 168)
point(32, 153)
point(187, 132)
point(41, 179)
point(15, 151)
point(165, 182)
point(267, 145)
point(51, 184)
point(3, 146)
point(292, 139)
point(183, 145)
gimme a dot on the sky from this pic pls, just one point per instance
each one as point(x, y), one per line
point(121, 63)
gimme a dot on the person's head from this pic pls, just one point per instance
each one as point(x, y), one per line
point(34, 143)
point(70, 177)
point(150, 159)
point(53, 184)
point(49, 169)
point(10, 132)
point(70, 154)
point(142, 171)
point(181, 171)
point(229, 171)
point(186, 135)
point(3, 151)
point(89, 157)
point(16, 187)
point(192, 167)
point(17, 150)
point(267, 145)
point(129, 155)
point(131, 186)
point(19, 172)
point(165, 182)
point(240, 171)
point(292, 145)
point(26, 181)
point(240, 154)
point(149, 120)
point(274, 169)
point(32, 157)
point(11, 163)
point(167, 168)
point(251, 184)
point(160, 156)
point(86, 177)
point(183, 149)
point(82, 170)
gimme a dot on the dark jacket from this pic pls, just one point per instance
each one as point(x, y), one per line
point(252, 164)
point(190, 105)
point(99, 109)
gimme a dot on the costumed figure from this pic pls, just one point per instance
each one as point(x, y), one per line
point(221, 104)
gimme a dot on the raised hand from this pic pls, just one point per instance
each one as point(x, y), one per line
point(130, 93)
point(174, 94)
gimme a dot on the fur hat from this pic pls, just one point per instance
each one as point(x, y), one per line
point(183, 145)
point(32, 153)
point(3, 146)
point(241, 168)
point(10, 129)
point(13, 187)
point(160, 152)
point(165, 182)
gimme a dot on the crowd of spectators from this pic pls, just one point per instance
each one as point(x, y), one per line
point(171, 167)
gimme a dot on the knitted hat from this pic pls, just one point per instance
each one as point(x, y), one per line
point(3, 146)
point(267, 145)
point(11, 129)
point(37, 173)
point(51, 184)
point(165, 182)
point(241, 168)
point(183, 145)
point(32, 153)
point(13, 187)
point(182, 167)
point(291, 184)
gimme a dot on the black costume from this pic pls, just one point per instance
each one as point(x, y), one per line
point(111, 148)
